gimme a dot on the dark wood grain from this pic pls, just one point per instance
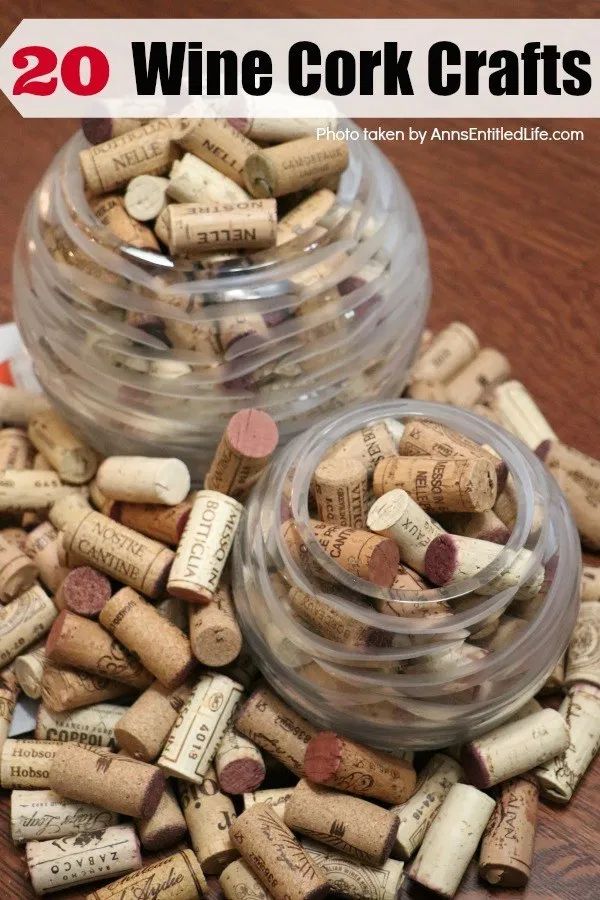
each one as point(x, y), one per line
point(514, 232)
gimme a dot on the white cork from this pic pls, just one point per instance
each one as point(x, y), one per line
point(74, 461)
point(275, 797)
point(417, 814)
point(204, 547)
point(29, 669)
point(144, 479)
point(45, 815)
point(517, 411)
point(65, 862)
point(448, 352)
point(194, 181)
point(452, 839)
point(200, 726)
point(18, 406)
point(559, 777)
point(396, 515)
point(146, 197)
point(583, 660)
point(27, 489)
point(355, 880)
point(515, 747)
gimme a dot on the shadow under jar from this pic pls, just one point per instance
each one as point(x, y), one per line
point(148, 355)
point(427, 681)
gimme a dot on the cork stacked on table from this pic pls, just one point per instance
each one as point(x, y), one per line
point(152, 730)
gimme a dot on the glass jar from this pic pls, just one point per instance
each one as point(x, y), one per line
point(434, 680)
point(145, 355)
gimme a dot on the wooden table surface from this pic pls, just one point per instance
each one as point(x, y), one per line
point(514, 235)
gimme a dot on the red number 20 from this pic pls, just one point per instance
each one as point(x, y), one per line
point(30, 82)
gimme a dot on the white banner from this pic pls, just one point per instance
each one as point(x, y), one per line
point(377, 68)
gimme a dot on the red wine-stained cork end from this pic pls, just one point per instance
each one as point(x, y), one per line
point(475, 768)
point(383, 565)
point(239, 124)
point(441, 559)
point(86, 591)
point(97, 130)
point(55, 632)
point(322, 757)
point(154, 792)
point(241, 776)
point(543, 450)
point(165, 837)
point(252, 433)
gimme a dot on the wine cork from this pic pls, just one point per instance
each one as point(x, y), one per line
point(146, 197)
point(43, 816)
point(161, 227)
point(64, 689)
point(18, 406)
point(204, 547)
point(239, 764)
point(396, 515)
point(75, 462)
point(359, 552)
point(369, 445)
point(247, 444)
point(144, 479)
point(117, 783)
point(196, 228)
point(79, 642)
point(42, 548)
point(357, 881)
point(26, 763)
point(485, 526)
point(9, 693)
point(110, 210)
point(333, 624)
point(431, 391)
point(488, 369)
point(16, 536)
point(66, 862)
point(28, 489)
point(582, 469)
point(209, 815)
point(143, 728)
point(119, 552)
point(515, 748)
point(200, 726)
point(506, 504)
point(24, 621)
point(449, 351)
point(70, 508)
point(174, 611)
point(98, 130)
point(215, 636)
point(507, 847)
point(166, 827)
point(238, 880)
point(276, 728)
point(99, 500)
point(242, 334)
point(347, 766)
point(17, 572)
point(94, 725)
point(451, 557)
point(83, 591)
point(223, 147)
point(176, 877)
point(194, 181)
point(427, 438)
point(159, 645)
point(147, 150)
point(277, 131)
point(558, 778)
point(341, 492)
point(583, 660)
point(452, 839)
point(439, 485)
point(163, 523)
point(29, 668)
point(276, 798)
point(517, 411)
point(16, 451)
point(352, 826)
point(305, 215)
point(416, 815)
point(294, 166)
point(590, 584)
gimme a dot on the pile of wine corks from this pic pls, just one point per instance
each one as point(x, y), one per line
point(195, 187)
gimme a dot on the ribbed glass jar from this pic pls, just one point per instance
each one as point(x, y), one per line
point(328, 319)
point(435, 680)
